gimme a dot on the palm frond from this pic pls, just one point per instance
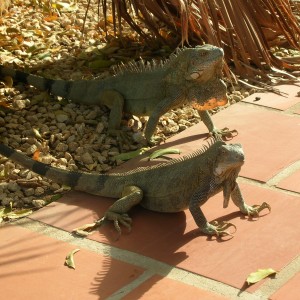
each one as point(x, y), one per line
point(245, 29)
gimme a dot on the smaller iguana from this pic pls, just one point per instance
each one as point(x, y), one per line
point(187, 182)
point(191, 76)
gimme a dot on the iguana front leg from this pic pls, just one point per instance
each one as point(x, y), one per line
point(249, 210)
point(131, 196)
point(163, 107)
point(198, 199)
point(225, 132)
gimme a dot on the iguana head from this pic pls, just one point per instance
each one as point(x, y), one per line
point(204, 63)
point(230, 157)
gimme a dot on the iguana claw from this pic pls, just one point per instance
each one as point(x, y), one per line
point(121, 136)
point(224, 133)
point(156, 140)
point(254, 210)
point(118, 219)
point(218, 228)
point(88, 229)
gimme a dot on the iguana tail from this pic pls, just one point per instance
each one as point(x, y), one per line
point(69, 178)
point(56, 87)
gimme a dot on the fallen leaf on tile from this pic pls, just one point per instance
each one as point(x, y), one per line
point(19, 214)
point(85, 229)
point(70, 259)
point(259, 275)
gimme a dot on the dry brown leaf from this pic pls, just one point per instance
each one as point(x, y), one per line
point(52, 17)
point(36, 155)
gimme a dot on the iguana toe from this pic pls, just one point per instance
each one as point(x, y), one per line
point(118, 219)
point(224, 133)
point(218, 228)
point(122, 137)
point(156, 140)
point(254, 210)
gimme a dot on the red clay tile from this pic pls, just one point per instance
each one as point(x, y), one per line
point(158, 287)
point(76, 209)
point(277, 101)
point(175, 239)
point(291, 183)
point(290, 291)
point(264, 141)
point(72, 209)
point(267, 242)
point(32, 267)
point(271, 140)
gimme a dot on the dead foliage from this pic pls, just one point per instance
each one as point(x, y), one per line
point(246, 29)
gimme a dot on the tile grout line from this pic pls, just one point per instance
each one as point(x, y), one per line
point(266, 186)
point(149, 264)
point(287, 112)
point(289, 170)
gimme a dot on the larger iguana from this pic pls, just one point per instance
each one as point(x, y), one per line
point(187, 182)
point(192, 75)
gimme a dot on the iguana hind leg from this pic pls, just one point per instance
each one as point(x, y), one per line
point(131, 196)
point(115, 102)
point(225, 132)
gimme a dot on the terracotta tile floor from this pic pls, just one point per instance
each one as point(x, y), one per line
point(165, 257)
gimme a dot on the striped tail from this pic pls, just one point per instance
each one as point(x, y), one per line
point(69, 178)
point(55, 87)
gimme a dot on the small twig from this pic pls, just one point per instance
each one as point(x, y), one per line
point(265, 87)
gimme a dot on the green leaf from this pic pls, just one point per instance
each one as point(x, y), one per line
point(55, 197)
point(43, 55)
point(131, 154)
point(65, 7)
point(18, 214)
point(70, 259)
point(162, 152)
point(259, 275)
point(100, 63)
point(4, 211)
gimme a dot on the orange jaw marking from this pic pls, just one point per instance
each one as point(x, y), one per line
point(209, 104)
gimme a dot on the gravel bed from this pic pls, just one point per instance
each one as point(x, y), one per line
point(55, 131)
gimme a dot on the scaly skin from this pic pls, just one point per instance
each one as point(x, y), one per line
point(191, 76)
point(187, 182)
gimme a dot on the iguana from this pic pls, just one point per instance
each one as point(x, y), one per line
point(174, 186)
point(192, 75)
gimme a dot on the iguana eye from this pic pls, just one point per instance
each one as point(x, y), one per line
point(223, 151)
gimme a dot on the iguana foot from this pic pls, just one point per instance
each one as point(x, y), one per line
point(254, 210)
point(218, 228)
point(122, 137)
point(224, 133)
point(118, 219)
point(156, 140)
